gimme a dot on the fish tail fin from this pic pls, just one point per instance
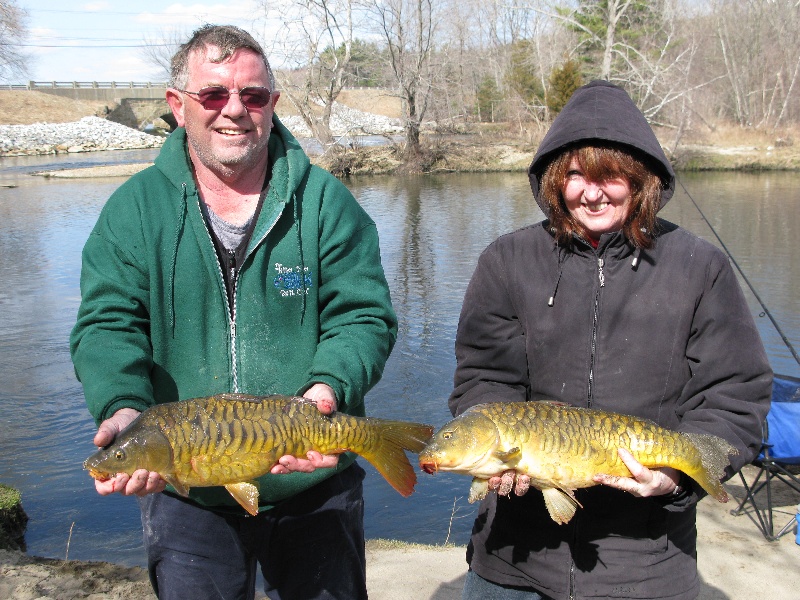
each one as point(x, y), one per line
point(714, 453)
point(390, 440)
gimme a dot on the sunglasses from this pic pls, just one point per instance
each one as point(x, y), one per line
point(216, 97)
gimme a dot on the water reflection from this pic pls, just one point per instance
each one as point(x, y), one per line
point(432, 231)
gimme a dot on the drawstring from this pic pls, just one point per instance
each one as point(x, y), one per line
point(304, 285)
point(174, 262)
point(552, 300)
point(635, 261)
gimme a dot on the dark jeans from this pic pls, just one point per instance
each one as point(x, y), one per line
point(310, 547)
point(478, 588)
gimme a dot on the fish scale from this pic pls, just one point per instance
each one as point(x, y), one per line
point(233, 439)
point(561, 448)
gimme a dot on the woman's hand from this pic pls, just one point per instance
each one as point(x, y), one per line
point(643, 482)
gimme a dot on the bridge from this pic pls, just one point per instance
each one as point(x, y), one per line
point(111, 91)
point(137, 104)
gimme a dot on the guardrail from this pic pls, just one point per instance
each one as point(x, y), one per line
point(80, 85)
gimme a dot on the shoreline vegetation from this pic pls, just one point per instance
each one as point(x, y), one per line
point(472, 153)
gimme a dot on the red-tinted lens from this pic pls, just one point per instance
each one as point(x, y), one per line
point(215, 98)
point(255, 97)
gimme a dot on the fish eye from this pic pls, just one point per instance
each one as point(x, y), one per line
point(119, 455)
point(447, 435)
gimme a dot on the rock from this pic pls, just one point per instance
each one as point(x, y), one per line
point(346, 121)
point(88, 134)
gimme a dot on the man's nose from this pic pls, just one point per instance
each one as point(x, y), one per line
point(234, 106)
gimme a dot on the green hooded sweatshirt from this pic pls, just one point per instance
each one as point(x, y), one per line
point(311, 299)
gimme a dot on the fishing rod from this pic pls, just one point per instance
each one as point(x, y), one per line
point(746, 280)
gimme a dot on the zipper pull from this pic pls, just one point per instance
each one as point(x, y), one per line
point(600, 273)
point(232, 266)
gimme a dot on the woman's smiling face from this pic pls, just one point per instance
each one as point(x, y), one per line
point(600, 206)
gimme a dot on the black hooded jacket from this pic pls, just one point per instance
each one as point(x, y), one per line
point(665, 335)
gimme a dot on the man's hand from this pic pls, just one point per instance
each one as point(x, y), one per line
point(643, 482)
point(510, 480)
point(141, 482)
point(322, 394)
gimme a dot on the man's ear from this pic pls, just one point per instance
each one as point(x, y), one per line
point(175, 101)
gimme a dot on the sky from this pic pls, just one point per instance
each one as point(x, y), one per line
point(103, 40)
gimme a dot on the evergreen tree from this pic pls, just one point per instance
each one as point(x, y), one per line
point(612, 32)
point(564, 80)
point(521, 77)
point(488, 100)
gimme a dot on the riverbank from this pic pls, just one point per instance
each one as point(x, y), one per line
point(479, 152)
point(31, 124)
point(734, 560)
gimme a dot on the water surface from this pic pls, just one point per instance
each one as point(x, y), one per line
point(432, 230)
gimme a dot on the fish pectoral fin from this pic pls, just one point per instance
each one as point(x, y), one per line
point(478, 489)
point(508, 457)
point(561, 504)
point(179, 487)
point(246, 494)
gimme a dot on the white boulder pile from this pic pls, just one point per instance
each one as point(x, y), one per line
point(94, 133)
point(87, 135)
point(346, 121)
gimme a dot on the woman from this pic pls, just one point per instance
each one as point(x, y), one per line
point(604, 305)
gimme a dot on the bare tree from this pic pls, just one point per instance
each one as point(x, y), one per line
point(159, 49)
point(757, 42)
point(317, 38)
point(408, 28)
point(13, 31)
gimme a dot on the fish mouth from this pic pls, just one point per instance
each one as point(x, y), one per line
point(97, 474)
point(429, 466)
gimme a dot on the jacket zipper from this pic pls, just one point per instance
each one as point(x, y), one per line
point(602, 278)
point(232, 268)
point(230, 308)
point(232, 277)
point(600, 274)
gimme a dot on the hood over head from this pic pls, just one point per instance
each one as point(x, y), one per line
point(604, 113)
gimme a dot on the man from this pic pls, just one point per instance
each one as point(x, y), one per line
point(233, 265)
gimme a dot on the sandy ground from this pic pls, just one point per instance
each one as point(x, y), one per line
point(735, 562)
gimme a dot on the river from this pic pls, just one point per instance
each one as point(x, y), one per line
point(432, 229)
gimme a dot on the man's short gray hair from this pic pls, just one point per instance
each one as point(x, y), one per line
point(227, 38)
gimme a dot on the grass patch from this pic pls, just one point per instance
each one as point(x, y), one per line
point(384, 544)
point(9, 497)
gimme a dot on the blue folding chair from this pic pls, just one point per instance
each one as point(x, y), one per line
point(780, 455)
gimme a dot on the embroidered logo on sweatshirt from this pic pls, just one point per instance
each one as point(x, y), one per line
point(292, 281)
